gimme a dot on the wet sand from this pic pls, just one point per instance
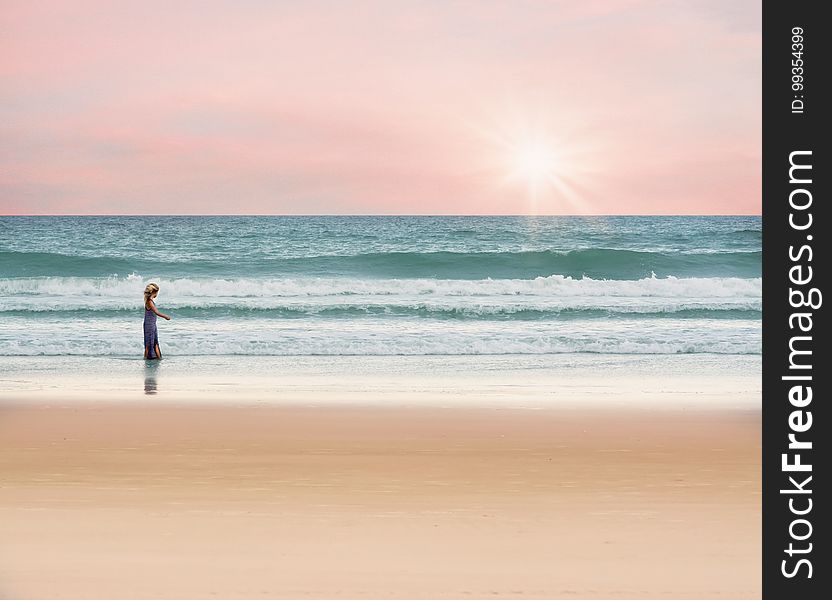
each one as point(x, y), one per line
point(188, 500)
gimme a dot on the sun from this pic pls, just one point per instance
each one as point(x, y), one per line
point(533, 162)
point(537, 156)
point(544, 166)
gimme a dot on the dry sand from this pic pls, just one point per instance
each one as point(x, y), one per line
point(165, 501)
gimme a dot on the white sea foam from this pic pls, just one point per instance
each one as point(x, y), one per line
point(313, 294)
point(381, 336)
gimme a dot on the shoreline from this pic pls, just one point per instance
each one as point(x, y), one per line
point(715, 382)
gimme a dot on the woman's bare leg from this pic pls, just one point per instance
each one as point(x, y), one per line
point(158, 353)
point(145, 351)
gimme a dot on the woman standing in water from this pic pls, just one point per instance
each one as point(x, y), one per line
point(151, 339)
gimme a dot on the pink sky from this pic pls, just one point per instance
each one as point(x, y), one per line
point(385, 107)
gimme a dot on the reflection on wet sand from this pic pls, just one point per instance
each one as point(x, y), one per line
point(150, 382)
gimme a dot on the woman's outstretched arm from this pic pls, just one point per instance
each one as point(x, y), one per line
point(152, 306)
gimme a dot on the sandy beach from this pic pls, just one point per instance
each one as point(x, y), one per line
point(184, 499)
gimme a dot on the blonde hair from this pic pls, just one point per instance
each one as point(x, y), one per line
point(151, 289)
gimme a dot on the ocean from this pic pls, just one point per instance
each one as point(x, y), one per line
point(382, 286)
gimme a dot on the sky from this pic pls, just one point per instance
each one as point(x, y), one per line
point(380, 107)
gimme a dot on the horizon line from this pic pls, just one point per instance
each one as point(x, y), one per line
point(299, 215)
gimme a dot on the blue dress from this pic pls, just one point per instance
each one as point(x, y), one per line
point(151, 338)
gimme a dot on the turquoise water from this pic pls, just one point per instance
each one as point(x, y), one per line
point(297, 286)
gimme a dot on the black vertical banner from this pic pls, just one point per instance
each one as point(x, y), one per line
point(796, 174)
